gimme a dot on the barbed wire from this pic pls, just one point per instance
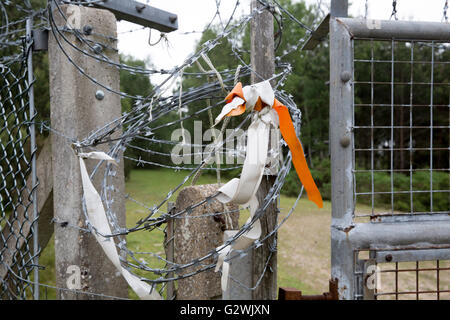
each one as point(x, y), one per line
point(394, 10)
point(152, 113)
point(444, 16)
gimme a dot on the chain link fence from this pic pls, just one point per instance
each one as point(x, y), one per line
point(17, 185)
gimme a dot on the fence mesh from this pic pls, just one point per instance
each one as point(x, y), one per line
point(17, 217)
point(401, 279)
point(418, 280)
point(402, 130)
point(401, 157)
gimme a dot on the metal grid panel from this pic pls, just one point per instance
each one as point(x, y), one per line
point(401, 153)
point(389, 277)
point(401, 128)
point(389, 141)
point(418, 280)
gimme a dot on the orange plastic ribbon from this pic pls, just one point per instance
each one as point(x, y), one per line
point(236, 92)
point(288, 132)
point(298, 156)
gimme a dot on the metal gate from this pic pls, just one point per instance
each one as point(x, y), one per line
point(390, 151)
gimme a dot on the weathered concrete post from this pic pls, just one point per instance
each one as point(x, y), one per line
point(75, 111)
point(195, 237)
point(263, 63)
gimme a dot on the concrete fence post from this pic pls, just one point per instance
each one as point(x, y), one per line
point(75, 112)
point(195, 236)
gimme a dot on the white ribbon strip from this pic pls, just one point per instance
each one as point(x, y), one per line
point(261, 90)
point(236, 102)
point(97, 156)
point(97, 218)
point(243, 190)
point(251, 93)
point(264, 91)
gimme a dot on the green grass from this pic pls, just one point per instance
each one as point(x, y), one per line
point(304, 240)
point(151, 187)
point(303, 258)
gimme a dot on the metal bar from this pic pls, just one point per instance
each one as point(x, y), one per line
point(370, 235)
point(372, 160)
point(33, 148)
point(403, 192)
point(391, 142)
point(294, 294)
point(408, 216)
point(437, 280)
point(318, 35)
point(401, 83)
point(404, 127)
point(404, 30)
point(142, 14)
point(397, 170)
point(417, 280)
point(285, 293)
point(396, 281)
point(409, 292)
point(341, 145)
point(412, 255)
point(401, 61)
point(414, 269)
point(431, 127)
point(418, 246)
point(399, 104)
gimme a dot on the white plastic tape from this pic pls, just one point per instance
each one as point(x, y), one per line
point(243, 190)
point(97, 218)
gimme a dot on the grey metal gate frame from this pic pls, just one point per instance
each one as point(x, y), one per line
point(388, 238)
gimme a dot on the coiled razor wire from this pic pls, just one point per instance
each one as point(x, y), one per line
point(143, 122)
